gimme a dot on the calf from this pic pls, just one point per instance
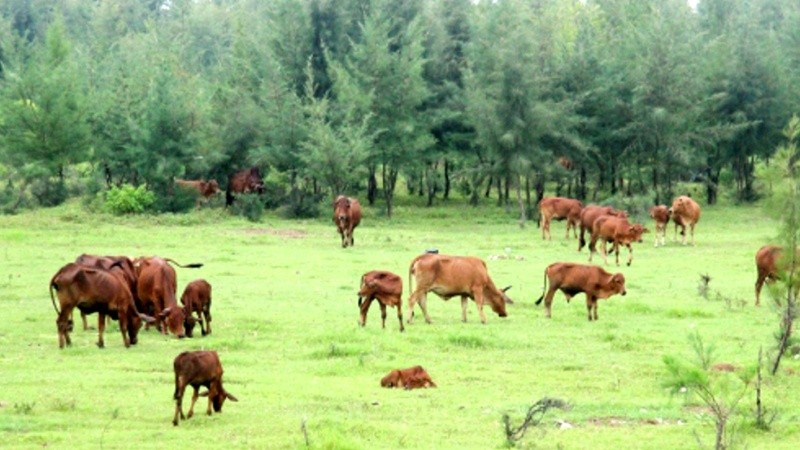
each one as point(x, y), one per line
point(196, 298)
point(618, 231)
point(573, 279)
point(411, 378)
point(450, 276)
point(387, 288)
point(559, 208)
point(195, 369)
point(589, 214)
point(660, 214)
point(685, 212)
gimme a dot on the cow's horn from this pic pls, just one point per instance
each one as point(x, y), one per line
point(506, 288)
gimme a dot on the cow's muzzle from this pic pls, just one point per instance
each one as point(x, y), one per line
point(624, 292)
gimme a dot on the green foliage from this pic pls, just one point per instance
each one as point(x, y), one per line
point(128, 199)
point(300, 205)
point(249, 206)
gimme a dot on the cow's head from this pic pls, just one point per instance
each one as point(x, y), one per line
point(617, 284)
point(635, 232)
point(341, 209)
point(498, 300)
point(218, 396)
point(174, 318)
point(392, 379)
point(189, 324)
point(255, 183)
point(210, 188)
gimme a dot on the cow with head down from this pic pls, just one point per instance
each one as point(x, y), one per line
point(384, 286)
point(346, 216)
point(685, 213)
point(196, 369)
point(156, 285)
point(244, 182)
point(121, 266)
point(454, 276)
point(93, 289)
point(660, 215)
point(411, 378)
point(771, 265)
point(591, 213)
point(618, 231)
point(560, 208)
point(573, 279)
point(196, 298)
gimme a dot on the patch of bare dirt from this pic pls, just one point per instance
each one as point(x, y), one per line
point(288, 233)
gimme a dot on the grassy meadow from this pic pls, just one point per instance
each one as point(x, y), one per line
point(285, 326)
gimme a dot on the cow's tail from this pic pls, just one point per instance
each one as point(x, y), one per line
point(54, 286)
point(544, 286)
point(185, 266)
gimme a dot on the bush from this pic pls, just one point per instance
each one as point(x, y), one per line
point(49, 192)
point(128, 199)
point(180, 200)
point(301, 205)
point(637, 206)
point(250, 206)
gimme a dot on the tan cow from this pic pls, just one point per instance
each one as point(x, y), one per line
point(589, 214)
point(769, 264)
point(384, 286)
point(573, 279)
point(205, 189)
point(685, 212)
point(660, 214)
point(346, 216)
point(559, 208)
point(451, 276)
point(618, 231)
point(411, 378)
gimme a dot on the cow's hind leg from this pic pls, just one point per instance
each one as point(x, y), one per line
point(400, 316)
point(423, 305)
point(178, 396)
point(548, 301)
point(591, 306)
point(464, 301)
point(383, 314)
point(62, 326)
point(101, 327)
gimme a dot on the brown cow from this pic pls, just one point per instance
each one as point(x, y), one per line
point(685, 212)
point(244, 182)
point(769, 264)
point(560, 208)
point(195, 369)
point(589, 214)
point(411, 378)
point(156, 287)
point(450, 276)
point(573, 279)
point(205, 189)
point(387, 288)
point(660, 214)
point(93, 290)
point(196, 298)
point(618, 231)
point(119, 265)
point(346, 216)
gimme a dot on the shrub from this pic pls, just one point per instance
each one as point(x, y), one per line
point(49, 192)
point(250, 206)
point(301, 205)
point(180, 200)
point(128, 199)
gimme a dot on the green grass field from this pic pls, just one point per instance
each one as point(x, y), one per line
point(285, 326)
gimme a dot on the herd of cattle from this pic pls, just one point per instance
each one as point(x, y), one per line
point(143, 290)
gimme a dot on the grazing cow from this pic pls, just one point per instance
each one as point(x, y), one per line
point(156, 287)
point(660, 214)
point(205, 189)
point(685, 212)
point(769, 264)
point(387, 288)
point(346, 216)
point(450, 276)
point(618, 231)
point(195, 369)
point(119, 265)
point(411, 378)
point(196, 298)
point(244, 182)
point(573, 279)
point(94, 290)
point(560, 208)
point(589, 214)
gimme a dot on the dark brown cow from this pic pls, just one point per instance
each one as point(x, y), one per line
point(660, 214)
point(244, 182)
point(205, 189)
point(156, 287)
point(119, 265)
point(560, 208)
point(384, 286)
point(618, 231)
point(196, 298)
point(589, 214)
point(573, 279)
point(346, 216)
point(411, 378)
point(451, 276)
point(685, 212)
point(93, 290)
point(195, 369)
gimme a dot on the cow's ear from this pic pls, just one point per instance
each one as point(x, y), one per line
point(231, 397)
point(506, 288)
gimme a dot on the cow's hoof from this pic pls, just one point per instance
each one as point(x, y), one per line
point(101, 345)
point(175, 422)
